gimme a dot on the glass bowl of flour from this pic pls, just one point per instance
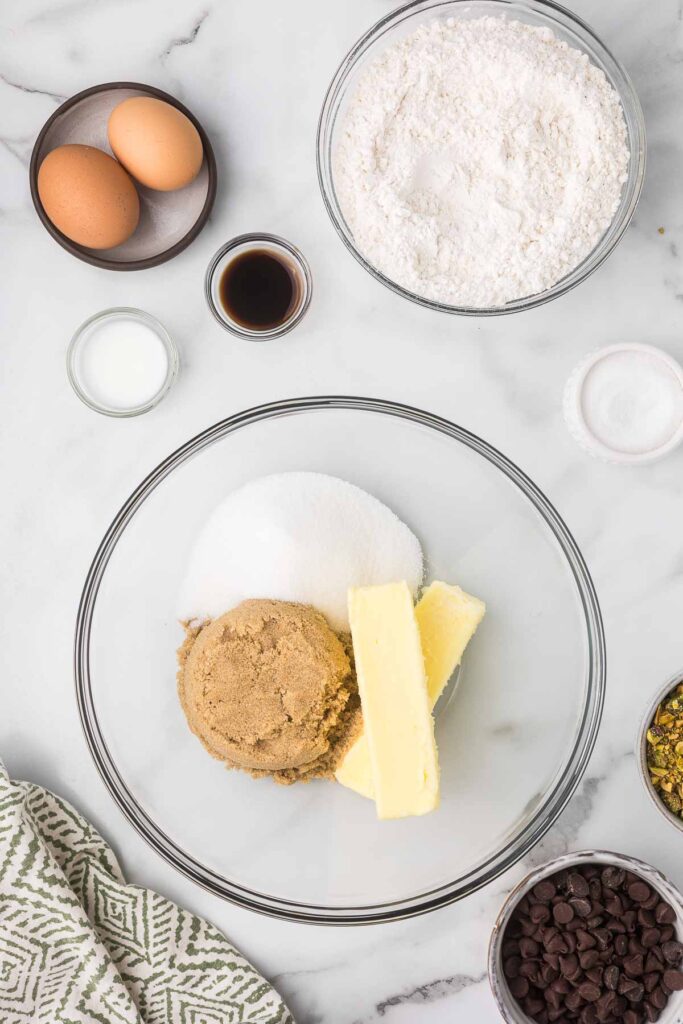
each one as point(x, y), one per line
point(514, 736)
point(481, 156)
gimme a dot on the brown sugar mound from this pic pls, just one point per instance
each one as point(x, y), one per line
point(270, 688)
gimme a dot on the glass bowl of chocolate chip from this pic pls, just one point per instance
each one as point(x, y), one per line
point(593, 937)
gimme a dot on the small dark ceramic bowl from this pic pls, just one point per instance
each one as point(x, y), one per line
point(169, 221)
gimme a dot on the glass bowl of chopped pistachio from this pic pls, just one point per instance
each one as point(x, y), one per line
point(661, 750)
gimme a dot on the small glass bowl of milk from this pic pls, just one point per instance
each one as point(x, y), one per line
point(121, 362)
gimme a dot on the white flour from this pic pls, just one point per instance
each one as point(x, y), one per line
point(480, 161)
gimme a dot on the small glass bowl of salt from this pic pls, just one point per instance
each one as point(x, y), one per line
point(122, 362)
point(624, 404)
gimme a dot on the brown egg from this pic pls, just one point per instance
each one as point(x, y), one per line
point(88, 196)
point(155, 142)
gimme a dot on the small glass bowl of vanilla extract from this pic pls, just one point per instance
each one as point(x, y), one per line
point(258, 286)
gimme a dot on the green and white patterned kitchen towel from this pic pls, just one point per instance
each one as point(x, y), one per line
point(79, 946)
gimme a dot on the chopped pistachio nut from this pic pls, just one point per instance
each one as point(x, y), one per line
point(665, 751)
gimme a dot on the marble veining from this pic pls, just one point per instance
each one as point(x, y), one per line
point(256, 75)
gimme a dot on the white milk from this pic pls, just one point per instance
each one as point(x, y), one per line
point(121, 363)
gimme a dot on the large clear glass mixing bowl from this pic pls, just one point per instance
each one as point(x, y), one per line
point(513, 739)
point(540, 13)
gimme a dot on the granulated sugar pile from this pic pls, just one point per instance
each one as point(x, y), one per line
point(480, 161)
point(303, 537)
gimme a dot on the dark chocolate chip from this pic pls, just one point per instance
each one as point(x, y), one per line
point(635, 994)
point(619, 1008)
point(589, 1015)
point(528, 948)
point(651, 902)
point(589, 991)
point(563, 913)
point(584, 940)
point(544, 890)
point(673, 980)
point(629, 987)
point(553, 998)
point(529, 969)
point(651, 980)
point(673, 952)
point(615, 926)
point(594, 974)
point(630, 920)
point(633, 1017)
point(574, 1000)
point(636, 946)
point(577, 885)
point(605, 1005)
point(658, 998)
point(539, 913)
point(655, 960)
point(646, 918)
point(588, 958)
point(519, 987)
point(633, 965)
point(667, 933)
point(511, 966)
point(569, 965)
point(664, 913)
point(549, 975)
point(533, 1006)
point(639, 891)
point(612, 877)
point(611, 977)
point(614, 904)
point(557, 945)
point(621, 945)
point(581, 906)
point(652, 1014)
point(650, 937)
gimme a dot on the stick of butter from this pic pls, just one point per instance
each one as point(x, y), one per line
point(447, 619)
point(397, 717)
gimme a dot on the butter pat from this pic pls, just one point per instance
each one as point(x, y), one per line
point(447, 619)
point(398, 724)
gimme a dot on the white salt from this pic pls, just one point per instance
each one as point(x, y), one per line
point(303, 537)
point(632, 401)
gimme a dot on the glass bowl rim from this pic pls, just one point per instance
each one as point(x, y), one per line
point(114, 313)
point(562, 786)
point(607, 242)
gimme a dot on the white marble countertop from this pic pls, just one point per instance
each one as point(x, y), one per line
point(255, 74)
